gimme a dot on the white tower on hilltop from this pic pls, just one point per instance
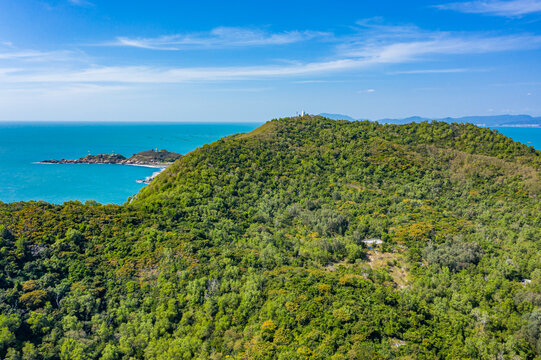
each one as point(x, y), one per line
point(302, 113)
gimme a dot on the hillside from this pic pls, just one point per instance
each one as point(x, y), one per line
point(261, 246)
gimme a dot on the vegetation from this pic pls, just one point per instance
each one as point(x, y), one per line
point(252, 248)
point(154, 156)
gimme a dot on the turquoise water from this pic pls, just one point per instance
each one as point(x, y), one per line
point(528, 136)
point(24, 144)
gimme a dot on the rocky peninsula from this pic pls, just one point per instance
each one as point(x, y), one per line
point(151, 158)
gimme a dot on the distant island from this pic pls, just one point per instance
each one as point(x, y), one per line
point(151, 158)
point(485, 121)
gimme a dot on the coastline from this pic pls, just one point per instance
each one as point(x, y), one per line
point(148, 179)
point(156, 166)
point(149, 165)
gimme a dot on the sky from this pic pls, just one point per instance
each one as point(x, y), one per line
point(251, 61)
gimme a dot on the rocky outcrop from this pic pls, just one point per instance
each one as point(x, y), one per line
point(149, 158)
point(91, 159)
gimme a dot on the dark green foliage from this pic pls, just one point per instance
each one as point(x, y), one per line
point(252, 248)
point(533, 328)
point(154, 156)
point(454, 254)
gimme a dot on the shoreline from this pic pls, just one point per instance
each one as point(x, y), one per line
point(148, 179)
point(156, 166)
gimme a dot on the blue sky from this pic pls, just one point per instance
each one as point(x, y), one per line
point(217, 61)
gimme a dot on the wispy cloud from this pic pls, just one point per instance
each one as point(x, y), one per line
point(62, 91)
point(220, 37)
point(241, 89)
point(366, 91)
point(434, 71)
point(394, 44)
point(512, 8)
point(318, 81)
point(13, 53)
point(375, 27)
point(32, 55)
point(372, 45)
point(518, 83)
point(84, 3)
point(6, 71)
point(147, 74)
point(440, 43)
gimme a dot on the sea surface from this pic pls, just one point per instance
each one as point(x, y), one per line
point(23, 145)
point(530, 136)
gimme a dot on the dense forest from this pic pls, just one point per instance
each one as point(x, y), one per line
point(254, 247)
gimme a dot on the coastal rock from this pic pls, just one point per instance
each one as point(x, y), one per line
point(143, 158)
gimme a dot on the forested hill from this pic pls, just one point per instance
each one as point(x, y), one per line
point(255, 247)
point(322, 140)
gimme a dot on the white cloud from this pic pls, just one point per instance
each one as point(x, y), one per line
point(512, 8)
point(375, 44)
point(9, 70)
point(318, 81)
point(147, 74)
point(63, 89)
point(81, 3)
point(376, 28)
point(220, 37)
point(518, 83)
point(21, 55)
point(39, 56)
point(398, 41)
point(438, 44)
point(367, 91)
point(241, 89)
point(434, 71)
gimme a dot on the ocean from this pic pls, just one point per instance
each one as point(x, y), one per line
point(23, 145)
point(530, 136)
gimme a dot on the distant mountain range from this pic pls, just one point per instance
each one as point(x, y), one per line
point(491, 121)
point(338, 116)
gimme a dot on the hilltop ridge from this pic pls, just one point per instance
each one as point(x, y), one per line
point(296, 134)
